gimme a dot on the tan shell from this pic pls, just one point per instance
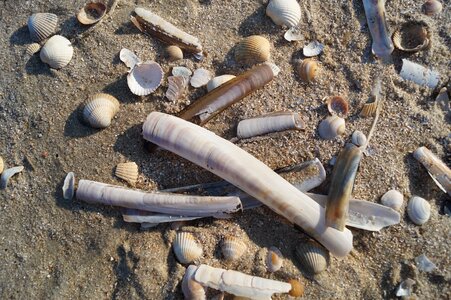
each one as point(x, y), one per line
point(337, 105)
point(174, 53)
point(186, 248)
point(232, 248)
point(57, 52)
point(100, 109)
point(284, 12)
point(307, 69)
point(33, 48)
point(2, 165)
point(412, 36)
point(331, 127)
point(42, 25)
point(253, 49)
point(312, 257)
point(218, 80)
point(91, 13)
point(274, 260)
point(297, 288)
point(432, 7)
point(127, 171)
point(369, 109)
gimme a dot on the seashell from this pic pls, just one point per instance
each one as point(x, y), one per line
point(2, 165)
point(331, 127)
point(405, 288)
point(91, 13)
point(186, 248)
point(100, 109)
point(312, 257)
point(129, 58)
point(176, 87)
point(358, 138)
point(369, 109)
point(182, 71)
point(337, 105)
point(274, 260)
point(297, 288)
point(200, 78)
point(419, 74)
point(293, 34)
point(69, 186)
point(442, 99)
point(437, 169)
point(382, 45)
point(274, 68)
point(419, 210)
point(128, 172)
point(432, 7)
point(33, 48)
point(191, 289)
point(218, 80)
point(313, 49)
point(7, 174)
point(174, 53)
point(412, 37)
point(307, 69)
point(284, 12)
point(393, 199)
point(232, 248)
point(273, 122)
point(253, 49)
point(57, 52)
point(145, 78)
point(42, 25)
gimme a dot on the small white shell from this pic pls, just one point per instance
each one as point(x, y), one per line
point(176, 87)
point(2, 165)
point(218, 80)
point(129, 58)
point(274, 260)
point(331, 127)
point(69, 186)
point(293, 34)
point(57, 52)
point(393, 199)
point(313, 258)
point(7, 174)
point(186, 248)
point(42, 25)
point(33, 48)
point(432, 7)
point(233, 248)
point(145, 78)
point(100, 109)
point(419, 210)
point(128, 172)
point(358, 138)
point(174, 53)
point(182, 71)
point(191, 289)
point(313, 49)
point(284, 12)
point(200, 78)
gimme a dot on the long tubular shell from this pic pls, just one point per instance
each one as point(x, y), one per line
point(172, 204)
point(343, 176)
point(269, 123)
point(225, 159)
point(438, 170)
point(375, 16)
point(142, 216)
point(208, 106)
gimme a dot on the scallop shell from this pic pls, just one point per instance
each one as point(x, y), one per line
point(186, 248)
point(33, 48)
point(253, 49)
point(174, 53)
point(312, 257)
point(145, 78)
point(69, 186)
point(337, 105)
point(176, 87)
point(358, 138)
point(127, 171)
point(200, 78)
point(2, 165)
point(331, 127)
point(232, 248)
point(369, 109)
point(419, 210)
point(91, 13)
point(307, 69)
point(7, 174)
point(393, 199)
point(284, 12)
point(274, 260)
point(297, 288)
point(432, 7)
point(42, 25)
point(100, 109)
point(412, 36)
point(313, 49)
point(218, 80)
point(57, 52)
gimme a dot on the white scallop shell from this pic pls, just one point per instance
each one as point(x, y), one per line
point(313, 258)
point(186, 248)
point(69, 186)
point(358, 138)
point(2, 165)
point(200, 78)
point(218, 80)
point(393, 199)
point(127, 171)
point(313, 49)
point(100, 109)
point(284, 12)
point(331, 127)
point(145, 78)
point(57, 52)
point(33, 48)
point(233, 248)
point(274, 259)
point(129, 58)
point(419, 210)
point(42, 25)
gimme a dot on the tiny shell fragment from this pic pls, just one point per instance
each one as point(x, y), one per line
point(69, 186)
point(7, 174)
point(313, 49)
point(176, 87)
point(33, 48)
point(200, 78)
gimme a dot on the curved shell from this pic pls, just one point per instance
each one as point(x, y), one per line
point(313, 49)
point(145, 78)
point(182, 71)
point(2, 165)
point(69, 186)
point(128, 172)
point(7, 174)
point(273, 122)
point(274, 260)
point(312, 257)
point(232, 248)
point(91, 13)
point(191, 289)
point(297, 288)
point(358, 138)
point(393, 199)
point(432, 7)
point(307, 69)
point(337, 105)
point(42, 25)
point(412, 36)
point(369, 109)
point(218, 80)
point(174, 53)
point(176, 87)
point(186, 248)
point(33, 48)
point(57, 52)
point(129, 58)
point(200, 78)
point(100, 109)
point(284, 12)
point(331, 127)
point(419, 210)
point(253, 49)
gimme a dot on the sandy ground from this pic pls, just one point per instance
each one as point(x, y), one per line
point(57, 249)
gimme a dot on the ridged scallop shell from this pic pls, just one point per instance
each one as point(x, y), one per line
point(176, 87)
point(297, 288)
point(419, 210)
point(312, 257)
point(253, 49)
point(274, 260)
point(393, 199)
point(186, 248)
point(358, 138)
point(200, 78)
point(369, 109)
point(337, 105)
point(412, 36)
point(42, 25)
point(432, 7)
point(100, 109)
point(307, 69)
point(284, 12)
point(127, 171)
point(313, 49)
point(57, 52)
point(69, 186)
point(218, 80)
point(331, 127)
point(33, 48)
point(145, 78)
point(91, 13)
point(174, 53)
point(2, 165)
point(232, 248)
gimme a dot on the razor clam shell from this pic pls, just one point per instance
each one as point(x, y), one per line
point(274, 259)
point(129, 58)
point(100, 109)
point(217, 81)
point(274, 122)
point(284, 12)
point(69, 186)
point(127, 171)
point(420, 75)
point(313, 49)
point(232, 248)
point(33, 48)
point(191, 289)
point(419, 210)
point(200, 78)
point(375, 15)
point(7, 174)
point(141, 216)
point(331, 127)
point(186, 248)
point(312, 257)
point(145, 78)
point(176, 87)
point(57, 52)
point(437, 169)
point(42, 25)
point(2, 165)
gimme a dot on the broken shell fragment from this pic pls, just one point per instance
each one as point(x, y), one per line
point(293, 34)
point(218, 80)
point(425, 264)
point(69, 186)
point(253, 49)
point(312, 257)
point(42, 25)
point(274, 259)
point(91, 13)
point(393, 199)
point(419, 74)
point(2, 165)
point(419, 210)
point(412, 36)
point(369, 109)
point(57, 52)
point(33, 48)
point(174, 53)
point(331, 127)
point(307, 69)
point(100, 109)
point(313, 49)
point(284, 12)
point(297, 288)
point(432, 7)
point(200, 78)
point(382, 45)
point(405, 288)
point(437, 169)
point(191, 289)
point(275, 122)
point(127, 171)
point(182, 71)
point(337, 105)
point(186, 248)
point(232, 248)
point(358, 138)
point(145, 78)
point(7, 174)
point(176, 87)
point(129, 58)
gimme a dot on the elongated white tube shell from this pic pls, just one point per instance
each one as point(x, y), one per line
point(284, 12)
point(420, 75)
point(57, 52)
point(186, 248)
point(269, 123)
point(225, 159)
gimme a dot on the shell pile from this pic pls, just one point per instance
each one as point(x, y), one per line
point(57, 52)
point(232, 248)
point(100, 109)
point(42, 25)
point(253, 49)
point(186, 248)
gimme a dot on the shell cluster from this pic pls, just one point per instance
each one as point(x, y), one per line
point(186, 248)
point(99, 110)
point(232, 248)
point(57, 52)
point(312, 257)
point(393, 199)
point(419, 210)
point(253, 49)
point(331, 127)
point(42, 25)
point(284, 12)
point(307, 69)
point(128, 171)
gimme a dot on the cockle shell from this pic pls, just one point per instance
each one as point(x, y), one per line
point(176, 87)
point(2, 165)
point(419, 210)
point(127, 171)
point(369, 109)
point(57, 52)
point(191, 289)
point(393, 199)
point(297, 288)
point(331, 127)
point(174, 53)
point(200, 78)
point(218, 80)
point(91, 13)
point(42, 25)
point(274, 260)
point(232, 248)
point(33, 48)
point(69, 186)
point(432, 7)
point(337, 105)
point(313, 49)
point(412, 36)
point(253, 49)
point(186, 248)
point(358, 138)
point(307, 69)
point(284, 12)
point(145, 78)
point(7, 174)
point(312, 257)
point(100, 109)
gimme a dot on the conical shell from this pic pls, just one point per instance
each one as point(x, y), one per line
point(253, 49)
point(33, 48)
point(145, 78)
point(358, 138)
point(91, 13)
point(331, 127)
point(42, 25)
point(284, 12)
point(369, 109)
point(232, 248)
point(412, 37)
point(307, 69)
point(100, 109)
point(200, 78)
point(176, 87)
point(312, 257)
point(337, 105)
point(174, 53)
point(128, 172)
point(393, 199)
point(186, 248)
point(419, 210)
point(432, 7)
point(2, 165)
point(57, 52)
point(274, 260)
point(218, 80)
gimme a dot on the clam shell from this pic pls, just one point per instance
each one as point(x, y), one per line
point(369, 109)
point(33, 48)
point(186, 248)
point(232, 248)
point(331, 127)
point(274, 260)
point(284, 12)
point(218, 80)
point(313, 49)
point(7, 174)
point(253, 49)
point(91, 13)
point(129, 58)
point(312, 257)
point(182, 71)
point(127, 171)
point(176, 87)
point(337, 105)
point(200, 78)
point(393, 199)
point(57, 52)
point(432, 7)
point(412, 36)
point(42, 25)
point(69, 186)
point(145, 78)
point(2, 165)
point(100, 109)
point(358, 138)
point(419, 210)
point(174, 53)
point(307, 69)
point(297, 288)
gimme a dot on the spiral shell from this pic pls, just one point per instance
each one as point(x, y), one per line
point(419, 210)
point(358, 138)
point(393, 199)
point(218, 80)
point(200, 78)
point(145, 78)
point(284, 12)
point(174, 53)
point(128, 172)
point(2, 165)
point(307, 69)
point(232, 248)
point(337, 105)
point(432, 7)
point(42, 25)
point(274, 260)
point(91, 13)
point(312, 257)
point(33, 48)
point(57, 52)
point(331, 127)
point(297, 288)
point(100, 109)
point(186, 248)
point(253, 49)
point(412, 37)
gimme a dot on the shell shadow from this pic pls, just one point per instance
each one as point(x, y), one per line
point(119, 89)
point(21, 36)
point(258, 23)
point(127, 28)
point(74, 128)
point(35, 66)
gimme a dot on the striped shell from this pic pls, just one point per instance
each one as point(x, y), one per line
point(253, 49)
point(284, 12)
point(200, 78)
point(100, 109)
point(218, 80)
point(274, 260)
point(232, 248)
point(145, 78)
point(174, 53)
point(57, 52)
point(331, 127)
point(432, 7)
point(176, 87)
point(369, 109)
point(419, 210)
point(91, 13)
point(358, 138)
point(297, 288)
point(393, 199)
point(128, 172)
point(33, 48)
point(2, 165)
point(42, 25)
point(307, 69)
point(337, 105)
point(69, 186)
point(412, 37)
point(312, 257)
point(186, 248)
